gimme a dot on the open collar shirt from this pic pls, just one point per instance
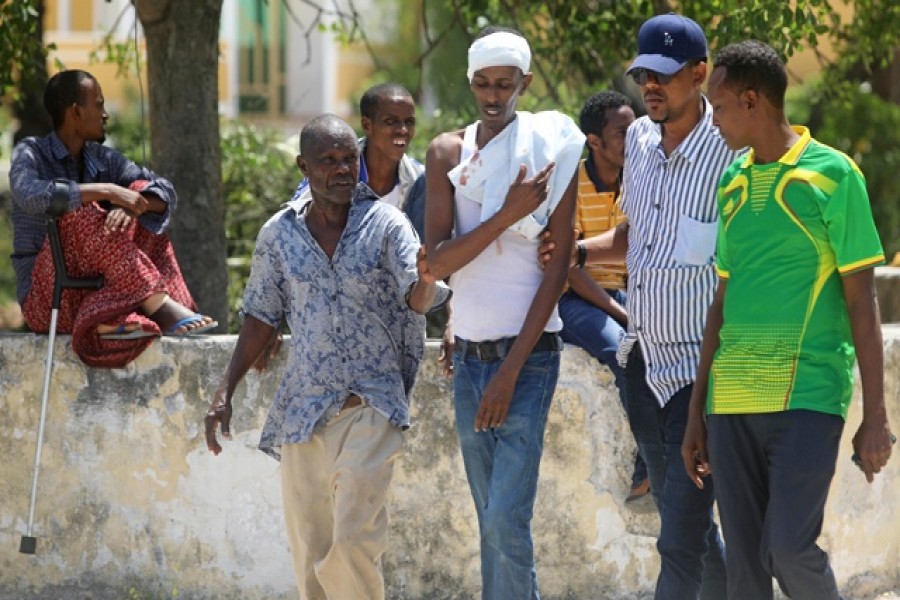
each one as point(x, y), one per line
point(670, 203)
point(37, 161)
point(352, 331)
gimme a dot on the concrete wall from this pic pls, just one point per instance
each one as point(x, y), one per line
point(131, 504)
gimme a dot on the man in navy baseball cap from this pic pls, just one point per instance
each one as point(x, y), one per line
point(667, 42)
point(669, 247)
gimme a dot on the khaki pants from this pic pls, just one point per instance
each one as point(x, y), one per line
point(334, 489)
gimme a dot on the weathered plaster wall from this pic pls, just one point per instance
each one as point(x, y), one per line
point(131, 505)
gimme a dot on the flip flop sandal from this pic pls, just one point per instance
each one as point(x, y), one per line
point(194, 318)
point(121, 334)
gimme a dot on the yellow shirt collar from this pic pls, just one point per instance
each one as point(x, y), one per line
point(794, 152)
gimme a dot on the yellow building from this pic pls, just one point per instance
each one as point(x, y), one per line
point(270, 67)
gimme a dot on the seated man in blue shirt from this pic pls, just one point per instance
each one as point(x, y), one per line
point(117, 215)
point(341, 267)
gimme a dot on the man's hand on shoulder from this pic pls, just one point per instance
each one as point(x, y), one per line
point(547, 246)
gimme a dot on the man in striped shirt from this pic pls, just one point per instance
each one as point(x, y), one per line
point(674, 157)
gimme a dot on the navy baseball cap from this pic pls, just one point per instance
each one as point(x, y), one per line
point(667, 42)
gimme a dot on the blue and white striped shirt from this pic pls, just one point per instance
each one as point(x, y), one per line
point(670, 203)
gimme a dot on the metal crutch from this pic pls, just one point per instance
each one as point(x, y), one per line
point(59, 204)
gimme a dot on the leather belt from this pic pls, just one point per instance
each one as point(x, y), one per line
point(491, 350)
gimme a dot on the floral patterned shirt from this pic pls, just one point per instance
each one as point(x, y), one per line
point(352, 331)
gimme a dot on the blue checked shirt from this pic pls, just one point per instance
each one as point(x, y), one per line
point(670, 203)
point(352, 331)
point(36, 162)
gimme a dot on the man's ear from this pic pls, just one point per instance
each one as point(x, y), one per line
point(366, 123)
point(526, 81)
point(301, 164)
point(593, 141)
point(699, 72)
point(749, 99)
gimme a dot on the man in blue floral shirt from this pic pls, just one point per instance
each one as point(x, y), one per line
point(347, 273)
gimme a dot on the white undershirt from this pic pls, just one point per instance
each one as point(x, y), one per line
point(393, 197)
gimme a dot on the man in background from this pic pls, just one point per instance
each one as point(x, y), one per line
point(593, 307)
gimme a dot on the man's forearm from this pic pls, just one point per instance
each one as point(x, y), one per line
point(253, 339)
point(609, 246)
point(865, 324)
point(421, 296)
point(538, 315)
point(590, 291)
point(451, 255)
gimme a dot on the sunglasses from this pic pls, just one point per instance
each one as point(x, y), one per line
point(641, 76)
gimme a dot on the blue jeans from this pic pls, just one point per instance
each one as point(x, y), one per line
point(502, 468)
point(588, 327)
point(691, 551)
point(772, 474)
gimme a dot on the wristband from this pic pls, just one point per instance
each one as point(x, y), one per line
point(582, 254)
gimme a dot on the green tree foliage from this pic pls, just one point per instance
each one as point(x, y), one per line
point(583, 45)
point(859, 123)
point(21, 50)
point(580, 46)
point(259, 174)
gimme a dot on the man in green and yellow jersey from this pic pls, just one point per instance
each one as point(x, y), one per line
point(795, 308)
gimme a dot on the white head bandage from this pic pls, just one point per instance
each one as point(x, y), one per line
point(501, 49)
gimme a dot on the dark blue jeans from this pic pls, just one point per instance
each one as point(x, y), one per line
point(502, 468)
point(691, 551)
point(772, 475)
point(588, 327)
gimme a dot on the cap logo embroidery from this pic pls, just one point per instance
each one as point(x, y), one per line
point(667, 39)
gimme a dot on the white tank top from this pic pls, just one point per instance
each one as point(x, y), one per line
point(492, 294)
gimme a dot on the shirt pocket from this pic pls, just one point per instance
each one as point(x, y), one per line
point(695, 242)
point(364, 281)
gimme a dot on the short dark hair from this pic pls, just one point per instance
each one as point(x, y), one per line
point(593, 114)
point(368, 104)
point(320, 127)
point(486, 31)
point(754, 65)
point(63, 90)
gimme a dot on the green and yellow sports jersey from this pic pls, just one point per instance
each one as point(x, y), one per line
point(787, 232)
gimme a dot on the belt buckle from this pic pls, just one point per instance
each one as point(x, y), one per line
point(486, 351)
point(493, 349)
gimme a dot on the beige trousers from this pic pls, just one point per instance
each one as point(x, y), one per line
point(334, 489)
